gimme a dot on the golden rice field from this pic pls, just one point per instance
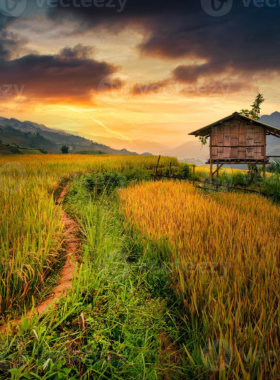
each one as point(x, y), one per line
point(31, 233)
point(205, 170)
point(223, 253)
point(225, 266)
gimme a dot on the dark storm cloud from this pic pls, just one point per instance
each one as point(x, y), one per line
point(67, 75)
point(191, 73)
point(244, 41)
point(78, 51)
point(9, 42)
point(70, 74)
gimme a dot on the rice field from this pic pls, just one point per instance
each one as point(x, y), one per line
point(205, 170)
point(224, 260)
point(221, 251)
point(226, 175)
point(31, 234)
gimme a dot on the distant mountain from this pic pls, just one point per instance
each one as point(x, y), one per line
point(26, 126)
point(193, 161)
point(39, 136)
point(7, 149)
point(16, 137)
point(146, 154)
point(273, 143)
point(273, 119)
point(139, 146)
point(29, 134)
point(191, 149)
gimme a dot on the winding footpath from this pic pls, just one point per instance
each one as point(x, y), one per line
point(71, 244)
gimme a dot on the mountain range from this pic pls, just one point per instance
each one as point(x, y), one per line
point(34, 135)
point(28, 134)
point(273, 143)
point(193, 151)
point(38, 136)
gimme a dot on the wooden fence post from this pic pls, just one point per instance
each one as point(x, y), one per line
point(264, 170)
point(193, 173)
point(157, 166)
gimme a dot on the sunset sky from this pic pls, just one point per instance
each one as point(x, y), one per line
point(137, 70)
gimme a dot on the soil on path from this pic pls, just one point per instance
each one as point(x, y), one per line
point(71, 245)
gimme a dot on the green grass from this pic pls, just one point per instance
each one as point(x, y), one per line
point(6, 149)
point(107, 327)
point(29, 151)
point(89, 152)
point(8, 139)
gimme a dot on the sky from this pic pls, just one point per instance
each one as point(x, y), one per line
point(120, 71)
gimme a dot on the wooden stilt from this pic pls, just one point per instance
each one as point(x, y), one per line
point(264, 154)
point(211, 166)
point(193, 173)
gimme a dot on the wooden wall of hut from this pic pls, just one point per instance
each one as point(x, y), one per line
point(238, 140)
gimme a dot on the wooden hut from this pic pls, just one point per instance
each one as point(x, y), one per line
point(237, 139)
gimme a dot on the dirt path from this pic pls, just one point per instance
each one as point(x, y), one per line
point(72, 244)
point(169, 359)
